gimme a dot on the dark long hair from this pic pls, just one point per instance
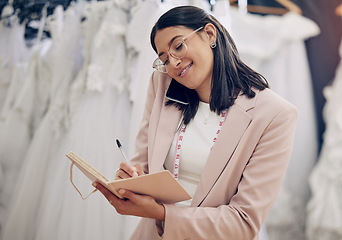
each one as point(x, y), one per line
point(230, 74)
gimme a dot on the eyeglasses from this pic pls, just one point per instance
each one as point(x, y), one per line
point(178, 50)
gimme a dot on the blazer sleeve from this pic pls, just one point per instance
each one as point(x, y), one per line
point(244, 215)
point(141, 143)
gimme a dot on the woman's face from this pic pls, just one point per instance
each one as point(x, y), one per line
point(195, 69)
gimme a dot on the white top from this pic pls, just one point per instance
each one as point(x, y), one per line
point(196, 145)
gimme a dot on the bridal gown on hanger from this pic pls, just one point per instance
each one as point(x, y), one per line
point(13, 67)
point(20, 122)
point(25, 204)
point(13, 51)
point(99, 116)
point(278, 53)
point(92, 17)
point(324, 220)
point(13, 61)
point(5, 35)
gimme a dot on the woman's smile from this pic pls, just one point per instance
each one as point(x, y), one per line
point(185, 70)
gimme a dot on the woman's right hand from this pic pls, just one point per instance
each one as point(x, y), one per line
point(127, 171)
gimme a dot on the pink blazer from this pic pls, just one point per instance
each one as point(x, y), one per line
point(242, 175)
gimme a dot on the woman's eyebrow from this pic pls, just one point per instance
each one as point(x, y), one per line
point(172, 40)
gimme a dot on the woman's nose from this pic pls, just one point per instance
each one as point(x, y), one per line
point(174, 62)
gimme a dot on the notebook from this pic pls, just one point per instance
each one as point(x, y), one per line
point(162, 186)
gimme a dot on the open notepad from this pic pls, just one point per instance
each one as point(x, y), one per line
point(162, 186)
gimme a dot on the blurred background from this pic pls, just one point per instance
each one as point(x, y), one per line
point(73, 77)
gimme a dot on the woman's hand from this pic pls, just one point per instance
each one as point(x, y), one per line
point(127, 171)
point(133, 204)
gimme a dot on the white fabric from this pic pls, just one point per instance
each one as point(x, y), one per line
point(14, 127)
point(99, 116)
point(13, 55)
point(222, 12)
point(93, 14)
point(22, 221)
point(324, 220)
point(20, 123)
point(88, 96)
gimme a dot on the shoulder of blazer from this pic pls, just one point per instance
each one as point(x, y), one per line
point(265, 101)
point(270, 99)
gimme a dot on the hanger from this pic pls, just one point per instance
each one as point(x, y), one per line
point(212, 4)
point(7, 10)
point(9, 14)
point(42, 22)
point(287, 6)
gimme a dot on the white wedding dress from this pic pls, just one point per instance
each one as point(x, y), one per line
point(26, 201)
point(324, 210)
point(100, 114)
point(14, 132)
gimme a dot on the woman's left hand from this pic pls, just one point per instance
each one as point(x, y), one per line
point(133, 204)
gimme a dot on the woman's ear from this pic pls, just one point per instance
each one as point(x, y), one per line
point(210, 31)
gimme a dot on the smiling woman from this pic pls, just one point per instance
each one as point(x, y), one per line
point(213, 52)
point(223, 134)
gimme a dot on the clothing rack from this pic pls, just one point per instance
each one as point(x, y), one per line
point(275, 7)
point(32, 9)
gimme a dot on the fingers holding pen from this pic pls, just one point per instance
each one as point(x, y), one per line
point(127, 171)
point(139, 169)
point(122, 174)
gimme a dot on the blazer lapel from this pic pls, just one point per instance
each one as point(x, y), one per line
point(166, 130)
point(232, 131)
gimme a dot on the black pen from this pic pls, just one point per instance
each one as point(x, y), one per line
point(121, 150)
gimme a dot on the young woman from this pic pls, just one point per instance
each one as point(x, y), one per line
point(232, 133)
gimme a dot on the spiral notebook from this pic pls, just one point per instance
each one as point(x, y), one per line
point(162, 186)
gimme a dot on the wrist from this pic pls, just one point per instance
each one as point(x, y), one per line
point(161, 212)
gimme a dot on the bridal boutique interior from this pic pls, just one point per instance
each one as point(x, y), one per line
point(74, 74)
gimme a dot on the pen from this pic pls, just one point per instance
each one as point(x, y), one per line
point(121, 149)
